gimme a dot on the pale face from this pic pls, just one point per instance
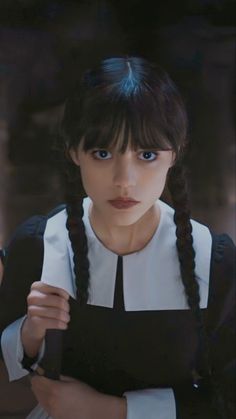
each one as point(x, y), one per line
point(108, 174)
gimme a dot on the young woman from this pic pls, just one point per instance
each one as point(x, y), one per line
point(124, 296)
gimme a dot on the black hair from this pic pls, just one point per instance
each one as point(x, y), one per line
point(128, 98)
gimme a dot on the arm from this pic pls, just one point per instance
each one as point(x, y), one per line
point(46, 308)
point(22, 266)
point(70, 398)
point(17, 362)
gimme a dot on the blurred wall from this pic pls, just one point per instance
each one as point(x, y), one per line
point(46, 45)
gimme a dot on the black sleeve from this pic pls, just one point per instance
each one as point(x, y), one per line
point(23, 258)
point(220, 319)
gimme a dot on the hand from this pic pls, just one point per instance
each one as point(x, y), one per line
point(70, 399)
point(48, 308)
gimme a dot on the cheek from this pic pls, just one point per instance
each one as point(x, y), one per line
point(158, 181)
point(93, 180)
point(158, 175)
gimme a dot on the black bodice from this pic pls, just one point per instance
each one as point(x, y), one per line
point(116, 350)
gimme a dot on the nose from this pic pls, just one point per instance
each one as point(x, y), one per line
point(124, 174)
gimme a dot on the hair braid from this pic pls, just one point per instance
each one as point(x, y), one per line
point(78, 238)
point(178, 187)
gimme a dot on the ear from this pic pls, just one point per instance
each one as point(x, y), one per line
point(74, 155)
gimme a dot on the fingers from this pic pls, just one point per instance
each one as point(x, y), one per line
point(37, 298)
point(52, 299)
point(49, 289)
point(43, 389)
point(48, 308)
point(48, 312)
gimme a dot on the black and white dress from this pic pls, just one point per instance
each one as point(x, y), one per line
point(136, 336)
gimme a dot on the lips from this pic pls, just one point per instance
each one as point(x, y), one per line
point(123, 203)
point(123, 199)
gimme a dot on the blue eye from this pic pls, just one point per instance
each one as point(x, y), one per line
point(104, 155)
point(101, 154)
point(148, 154)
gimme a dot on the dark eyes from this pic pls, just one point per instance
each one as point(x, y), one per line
point(148, 154)
point(106, 155)
point(101, 154)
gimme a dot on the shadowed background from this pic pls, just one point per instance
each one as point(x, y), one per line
point(44, 48)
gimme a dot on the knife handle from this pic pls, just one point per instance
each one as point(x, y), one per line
point(51, 361)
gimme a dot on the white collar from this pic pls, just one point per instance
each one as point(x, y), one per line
point(151, 276)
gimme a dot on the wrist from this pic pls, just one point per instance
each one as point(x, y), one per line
point(116, 407)
point(31, 344)
point(122, 409)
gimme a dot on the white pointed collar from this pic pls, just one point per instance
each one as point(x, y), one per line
point(151, 276)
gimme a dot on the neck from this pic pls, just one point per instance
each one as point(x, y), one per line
point(124, 240)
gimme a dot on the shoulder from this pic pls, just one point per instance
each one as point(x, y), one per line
point(200, 231)
point(223, 260)
point(23, 254)
point(223, 268)
point(222, 246)
point(35, 225)
point(29, 232)
point(215, 253)
point(202, 241)
point(223, 249)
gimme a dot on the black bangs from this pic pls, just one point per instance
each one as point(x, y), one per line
point(119, 124)
point(126, 102)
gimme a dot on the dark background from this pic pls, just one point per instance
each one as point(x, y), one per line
point(44, 48)
point(46, 45)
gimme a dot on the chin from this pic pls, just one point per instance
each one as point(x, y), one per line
point(124, 219)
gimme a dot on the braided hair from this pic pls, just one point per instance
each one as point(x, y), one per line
point(78, 238)
point(184, 242)
point(133, 96)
